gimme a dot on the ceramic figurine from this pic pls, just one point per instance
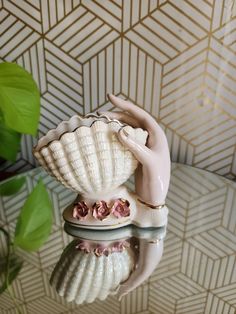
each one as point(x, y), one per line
point(95, 156)
point(98, 263)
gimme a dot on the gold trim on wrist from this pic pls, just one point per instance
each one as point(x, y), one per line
point(152, 206)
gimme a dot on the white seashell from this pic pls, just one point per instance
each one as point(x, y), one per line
point(86, 155)
point(84, 277)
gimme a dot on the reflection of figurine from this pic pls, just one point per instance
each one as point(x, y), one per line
point(99, 263)
point(96, 155)
point(86, 271)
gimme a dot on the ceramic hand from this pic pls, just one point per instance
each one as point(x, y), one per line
point(149, 257)
point(153, 173)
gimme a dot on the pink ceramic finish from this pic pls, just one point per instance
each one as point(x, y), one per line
point(149, 257)
point(153, 173)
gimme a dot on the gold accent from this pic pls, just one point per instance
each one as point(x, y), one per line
point(152, 206)
point(154, 241)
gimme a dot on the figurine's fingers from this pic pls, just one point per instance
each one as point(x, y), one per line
point(121, 116)
point(156, 135)
point(140, 151)
point(125, 105)
point(122, 292)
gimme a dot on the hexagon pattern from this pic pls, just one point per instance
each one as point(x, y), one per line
point(197, 273)
point(176, 59)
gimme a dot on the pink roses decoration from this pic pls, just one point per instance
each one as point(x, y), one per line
point(80, 210)
point(99, 250)
point(120, 208)
point(100, 210)
point(83, 246)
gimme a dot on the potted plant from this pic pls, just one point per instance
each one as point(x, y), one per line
point(19, 114)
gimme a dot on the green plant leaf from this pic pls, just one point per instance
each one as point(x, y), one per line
point(34, 223)
point(12, 186)
point(19, 98)
point(9, 142)
point(15, 265)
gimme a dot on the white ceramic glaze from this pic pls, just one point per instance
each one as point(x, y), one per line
point(84, 277)
point(86, 155)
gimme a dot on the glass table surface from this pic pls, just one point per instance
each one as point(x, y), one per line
point(197, 271)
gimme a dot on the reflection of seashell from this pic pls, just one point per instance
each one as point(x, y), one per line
point(86, 155)
point(84, 277)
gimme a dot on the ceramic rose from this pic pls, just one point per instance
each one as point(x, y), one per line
point(121, 208)
point(80, 210)
point(100, 210)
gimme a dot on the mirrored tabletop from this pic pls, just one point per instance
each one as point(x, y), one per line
point(192, 262)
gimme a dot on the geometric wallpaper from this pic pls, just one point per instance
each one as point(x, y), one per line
point(174, 58)
point(197, 272)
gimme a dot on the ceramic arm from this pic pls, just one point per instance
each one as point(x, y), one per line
point(153, 173)
point(149, 257)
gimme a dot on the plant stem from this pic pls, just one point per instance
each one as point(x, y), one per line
point(9, 248)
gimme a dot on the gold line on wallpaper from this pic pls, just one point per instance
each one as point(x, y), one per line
point(176, 59)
